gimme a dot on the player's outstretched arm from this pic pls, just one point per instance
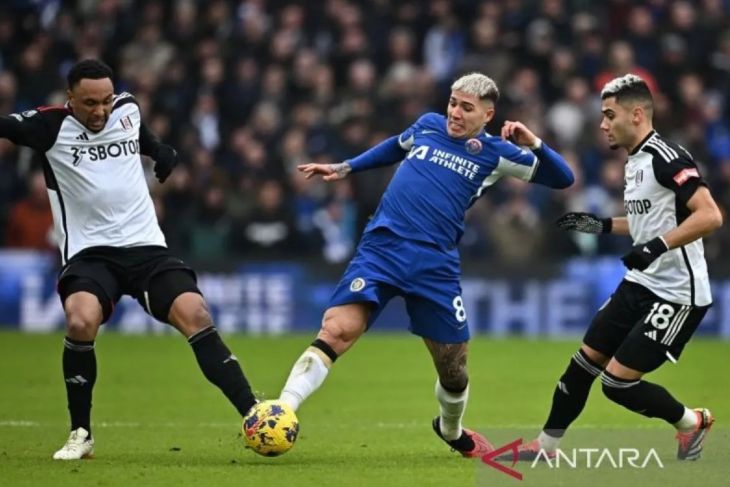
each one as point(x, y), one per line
point(28, 129)
point(10, 128)
point(552, 170)
point(590, 223)
point(384, 154)
point(329, 172)
point(584, 222)
point(620, 226)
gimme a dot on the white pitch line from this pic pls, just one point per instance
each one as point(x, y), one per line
point(22, 423)
point(503, 426)
point(19, 423)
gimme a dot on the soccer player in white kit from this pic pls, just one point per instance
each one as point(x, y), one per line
point(109, 238)
point(666, 291)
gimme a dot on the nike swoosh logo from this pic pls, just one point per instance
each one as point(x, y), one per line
point(428, 131)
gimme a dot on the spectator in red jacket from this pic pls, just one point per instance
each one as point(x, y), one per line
point(31, 221)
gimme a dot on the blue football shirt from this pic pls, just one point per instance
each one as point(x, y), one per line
point(441, 177)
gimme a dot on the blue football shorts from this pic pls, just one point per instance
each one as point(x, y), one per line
point(386, 265)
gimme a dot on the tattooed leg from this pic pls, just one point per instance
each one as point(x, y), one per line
point(452, 386)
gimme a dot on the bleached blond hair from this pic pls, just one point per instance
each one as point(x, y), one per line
point(629, 89)
point(477, 84)
point(621, 84)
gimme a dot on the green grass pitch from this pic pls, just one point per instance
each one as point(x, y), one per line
point(158, 422)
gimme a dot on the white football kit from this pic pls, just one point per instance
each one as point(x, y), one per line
point(660, 178)
point(96, 184)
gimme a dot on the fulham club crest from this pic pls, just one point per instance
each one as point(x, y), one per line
point(126, 123)
point(639, 177)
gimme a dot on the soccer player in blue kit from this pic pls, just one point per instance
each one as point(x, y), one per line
point(409, 248)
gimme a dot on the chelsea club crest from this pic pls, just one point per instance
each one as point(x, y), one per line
point(357, 284)
point(473, 146)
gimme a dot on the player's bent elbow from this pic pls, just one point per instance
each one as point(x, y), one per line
point(555, 179)
point(567, 181)
point(564, 181)
point(712, 220)
point(717, 219)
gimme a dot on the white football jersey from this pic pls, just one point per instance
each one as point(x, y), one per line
point(660, 177)
point(96, 184)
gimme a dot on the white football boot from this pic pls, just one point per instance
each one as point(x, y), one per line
point(78, 446)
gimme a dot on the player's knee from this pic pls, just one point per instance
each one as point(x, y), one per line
point(189, 313)
point(200, 317)
point(595, 356)
point(82, 321)
point(336, 333)
point(340, 328)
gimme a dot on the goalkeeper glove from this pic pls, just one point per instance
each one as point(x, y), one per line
point(584, 222)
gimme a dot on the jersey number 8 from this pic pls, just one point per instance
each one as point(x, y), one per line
point(460, 313)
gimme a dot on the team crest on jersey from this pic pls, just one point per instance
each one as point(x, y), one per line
point(639, 177)
point(357, 284)
point(126, 123)
point(473, 146)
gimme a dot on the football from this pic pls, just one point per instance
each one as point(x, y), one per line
point(270, 428)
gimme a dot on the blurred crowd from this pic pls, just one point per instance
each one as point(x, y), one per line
point(248, 89)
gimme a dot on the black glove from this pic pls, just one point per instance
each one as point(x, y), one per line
point(165, 161)
point(584, 222)
point(641, 256)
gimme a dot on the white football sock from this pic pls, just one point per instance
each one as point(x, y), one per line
point(307, 374)
point(547, 442)
point(688, 421)
point(452, 406)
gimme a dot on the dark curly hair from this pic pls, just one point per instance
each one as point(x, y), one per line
point(88, 69)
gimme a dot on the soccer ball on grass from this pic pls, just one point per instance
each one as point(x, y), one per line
point(270, 428)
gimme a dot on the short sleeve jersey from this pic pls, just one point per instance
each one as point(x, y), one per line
point(96, 184)
point(660, 178)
